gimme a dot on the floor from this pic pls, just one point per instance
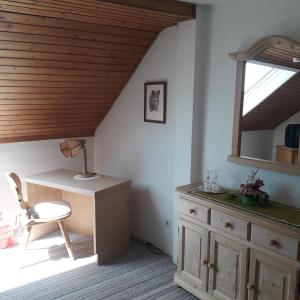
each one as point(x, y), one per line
point(44, 271)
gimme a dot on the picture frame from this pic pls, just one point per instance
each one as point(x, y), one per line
point(155, 101)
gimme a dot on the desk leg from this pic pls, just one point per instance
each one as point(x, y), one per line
point(111, 228)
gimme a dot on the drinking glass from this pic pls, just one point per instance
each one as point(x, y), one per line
point(207, 181)
point(214, 180)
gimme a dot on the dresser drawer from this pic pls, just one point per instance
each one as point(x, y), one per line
point(230, 224)
point(275, 241)
point(194, 210)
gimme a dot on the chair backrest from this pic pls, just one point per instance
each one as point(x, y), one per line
point(16, 186)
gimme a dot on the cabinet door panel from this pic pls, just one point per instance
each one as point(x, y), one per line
point(271, 279)
point(192, 251)
point(227, 268)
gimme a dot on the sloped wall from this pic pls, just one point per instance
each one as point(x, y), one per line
point(157, 157)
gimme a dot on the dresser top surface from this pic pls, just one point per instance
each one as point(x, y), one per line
point(278, 212)
point(63, 179)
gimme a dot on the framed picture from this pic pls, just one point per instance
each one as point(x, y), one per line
point(155, 102)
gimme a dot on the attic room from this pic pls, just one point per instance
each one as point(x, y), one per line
point(149, 149)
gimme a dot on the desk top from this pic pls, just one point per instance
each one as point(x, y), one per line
point(63, 179)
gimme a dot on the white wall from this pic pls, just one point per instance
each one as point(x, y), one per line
point(257, 144)
point(235, 26)
point(157, 157)
point(26, 158)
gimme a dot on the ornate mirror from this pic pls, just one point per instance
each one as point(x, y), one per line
point(266, 125)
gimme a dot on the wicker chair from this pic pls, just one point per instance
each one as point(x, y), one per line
point(41, 213)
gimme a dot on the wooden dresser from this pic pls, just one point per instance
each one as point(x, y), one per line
point(287, 155)
point(229, 252)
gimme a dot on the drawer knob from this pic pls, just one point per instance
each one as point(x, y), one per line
point(210, 265)
point(274, 243)
point(193, 211)
point(227, 225)
point(250, 286)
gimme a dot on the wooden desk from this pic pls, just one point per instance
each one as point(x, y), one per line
point(99, 207)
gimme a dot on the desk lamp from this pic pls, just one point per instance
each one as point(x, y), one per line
point(71, 148)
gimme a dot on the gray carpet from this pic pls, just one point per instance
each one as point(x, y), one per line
point(136, 274)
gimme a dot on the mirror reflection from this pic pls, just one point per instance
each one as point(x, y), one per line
point(270, 120)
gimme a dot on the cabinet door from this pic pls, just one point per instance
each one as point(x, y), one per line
point(270, 278)
point(227, 269)
point(192, 256)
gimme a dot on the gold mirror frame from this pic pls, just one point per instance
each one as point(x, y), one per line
point(241, 59)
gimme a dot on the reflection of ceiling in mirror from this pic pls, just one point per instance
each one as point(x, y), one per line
point(275, 109)
point(261, 80)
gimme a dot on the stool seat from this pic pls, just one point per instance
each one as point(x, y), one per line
point(45, 211)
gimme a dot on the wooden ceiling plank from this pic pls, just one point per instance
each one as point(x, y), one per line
point(7, 36)
point(20, 44)
point(67, 57)
point(85, 106)
point(35, 130)
point(58, 97)
point(74, 35)
point(37, 63)
point(60, 84)
point(47, 121)
point(60, 135)
point(52, 112)
point(63, 72)
point(19, 8)
point(117, 10)
point(46, 136)
point(169, 6)
point(64, 63)
point(54, 23)
point(60, 78)
point(54, 90)
point(46, 63)
point(128, 14)
point(73, 102)
point(55, 118)
point(67, 28)
point(62, 115)
point(58, 49)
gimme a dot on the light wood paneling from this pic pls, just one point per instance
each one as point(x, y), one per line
point(64, 63)
point(265, 266)
point(271, 279)
point(193, 254)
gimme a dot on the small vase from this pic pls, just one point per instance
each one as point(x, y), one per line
point(248, 200)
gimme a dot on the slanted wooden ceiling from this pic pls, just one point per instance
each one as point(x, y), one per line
point(64, 63)
point(283, 103)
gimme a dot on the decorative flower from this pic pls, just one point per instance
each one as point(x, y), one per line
point(253, 189)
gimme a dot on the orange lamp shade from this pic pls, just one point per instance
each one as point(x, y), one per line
point(71, 147)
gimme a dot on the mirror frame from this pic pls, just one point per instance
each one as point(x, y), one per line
point(241, 59)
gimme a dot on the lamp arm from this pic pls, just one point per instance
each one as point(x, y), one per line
point(84, 170)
